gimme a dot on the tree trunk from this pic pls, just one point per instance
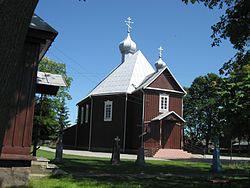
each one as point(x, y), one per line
point(248, 146)
point(15, 16)
point(209, 130)
point(239, 145)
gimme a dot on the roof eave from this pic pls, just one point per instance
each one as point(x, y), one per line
point(167, 114)
point(160, 72)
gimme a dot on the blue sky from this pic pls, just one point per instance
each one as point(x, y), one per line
point(90, 33)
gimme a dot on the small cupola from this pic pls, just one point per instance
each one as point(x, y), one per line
point(127, 46)
point(160, 64)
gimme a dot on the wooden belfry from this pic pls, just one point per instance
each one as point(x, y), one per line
point(17, 141)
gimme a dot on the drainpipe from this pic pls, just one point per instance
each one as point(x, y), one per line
point(125, 122)
point(90, 122)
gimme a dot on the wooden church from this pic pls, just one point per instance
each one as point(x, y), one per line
point(141, 105)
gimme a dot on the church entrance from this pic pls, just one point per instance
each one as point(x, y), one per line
point(170, 135)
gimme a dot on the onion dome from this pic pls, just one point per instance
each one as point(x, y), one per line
point(127, 46)
point(159, 64)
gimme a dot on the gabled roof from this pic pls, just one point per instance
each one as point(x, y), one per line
point(50, 79)
point(48, 83)
point(126, 77)
point(149, 79)
point(39, 24)
point(166, 114)
point(38, 28)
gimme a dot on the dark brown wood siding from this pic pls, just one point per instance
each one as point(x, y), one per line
point(171, 135)
point(18, 136)
point(165, 81)
point(82, 132)
point(104, 132)
point(151, 105)
point(152, 137)
point(175, 103)
point(134, 121)
point(69, 136)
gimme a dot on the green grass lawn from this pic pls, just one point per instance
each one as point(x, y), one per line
point(98, 172)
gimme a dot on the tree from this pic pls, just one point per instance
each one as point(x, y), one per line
point(233, 25)
point(13, 14)
point(51, 111)
point(234, 92)
point(235, 95)
point(201, 109)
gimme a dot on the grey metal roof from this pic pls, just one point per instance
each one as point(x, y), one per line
point(126, 77)
point(45, 78)
point(165, 114)
point(38, 23)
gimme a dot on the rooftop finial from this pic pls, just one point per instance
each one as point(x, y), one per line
point(128, 23)
point(160, 64)
point(160, 51)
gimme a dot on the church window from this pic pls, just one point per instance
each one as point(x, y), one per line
point(164, 102)
point(87, 114)
point(81, 114)
point(108, 110)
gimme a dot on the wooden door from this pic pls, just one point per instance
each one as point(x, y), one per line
point(171, 135)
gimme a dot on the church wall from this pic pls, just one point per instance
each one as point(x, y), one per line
point(152, 110)
point(165, 81)
point(175, 103)
point(83, 128)
point(152, 138)
point(134, 118)
point(104, 132)
point(151, 105)
point(69, 136)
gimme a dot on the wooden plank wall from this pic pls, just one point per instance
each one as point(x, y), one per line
point(18, 137)
point(104, 132)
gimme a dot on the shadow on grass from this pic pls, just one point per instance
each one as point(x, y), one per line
point(100, 172)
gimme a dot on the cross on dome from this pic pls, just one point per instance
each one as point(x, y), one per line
point(160, 64)
point(160, 51)
point(128, 23)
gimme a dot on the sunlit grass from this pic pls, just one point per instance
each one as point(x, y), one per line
point(98, 172)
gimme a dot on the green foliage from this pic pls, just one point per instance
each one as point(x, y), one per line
point(234, 25)
point(215, 105)
point(235, 94)
point(47, 65)
point(201, 109)
point(50, 111)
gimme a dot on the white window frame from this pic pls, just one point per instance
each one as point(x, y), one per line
point(81, 114)
point(87, 113)
point(163, 107)
point(108, 106)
